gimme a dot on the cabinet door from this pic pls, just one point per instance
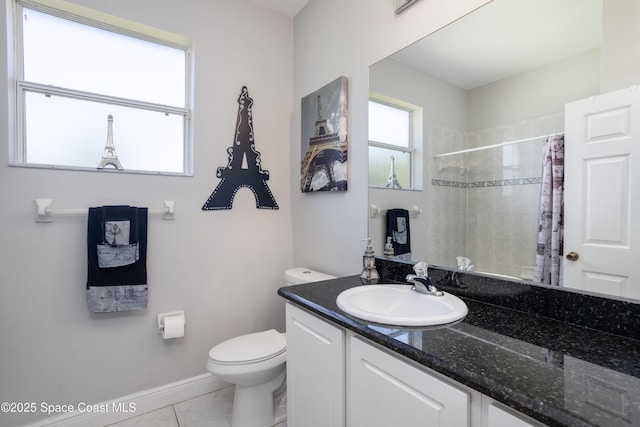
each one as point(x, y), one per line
point(497, 417)
point(608, 398)
point(385, 391)
point(315, 371)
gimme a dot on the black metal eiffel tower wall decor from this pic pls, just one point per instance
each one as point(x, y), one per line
point(243, 168)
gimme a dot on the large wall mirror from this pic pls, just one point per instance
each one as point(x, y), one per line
point(483, 95)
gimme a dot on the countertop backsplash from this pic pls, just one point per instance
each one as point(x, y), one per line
point(608, 314)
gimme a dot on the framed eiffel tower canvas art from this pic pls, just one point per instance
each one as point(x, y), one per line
point(325, 139)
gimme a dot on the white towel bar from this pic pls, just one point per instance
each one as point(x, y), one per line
point(45, 213)
point(374, 211)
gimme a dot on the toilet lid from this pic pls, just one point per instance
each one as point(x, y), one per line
point(249, 348)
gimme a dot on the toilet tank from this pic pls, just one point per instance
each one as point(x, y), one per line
point(299, 275)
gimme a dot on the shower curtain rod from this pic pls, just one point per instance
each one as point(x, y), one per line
point(501, 144)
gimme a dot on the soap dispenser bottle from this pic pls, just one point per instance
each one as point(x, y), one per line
point(388, 248)
point(369, 271)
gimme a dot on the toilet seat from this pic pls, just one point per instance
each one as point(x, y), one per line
point(250, 348)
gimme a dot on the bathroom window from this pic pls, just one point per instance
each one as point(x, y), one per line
point(393, 131)
point(97, 92)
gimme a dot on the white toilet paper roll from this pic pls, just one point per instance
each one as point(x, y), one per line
point(173, 327)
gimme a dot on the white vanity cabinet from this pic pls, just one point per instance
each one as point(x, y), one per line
point(495, 416)
point(336, 378)
point(385, 391)
point(315, 371)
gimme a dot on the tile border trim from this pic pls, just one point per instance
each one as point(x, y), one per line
point(484, 184)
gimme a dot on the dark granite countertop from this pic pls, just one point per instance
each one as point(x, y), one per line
point(557, 372)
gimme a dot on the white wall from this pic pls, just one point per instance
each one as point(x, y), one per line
point(620, 55)
point(536, 92)
point(222, 267)
point(334, 38)
point(441, 103)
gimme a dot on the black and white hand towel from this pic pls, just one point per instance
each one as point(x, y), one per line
point(117, 258)
point(398, 230)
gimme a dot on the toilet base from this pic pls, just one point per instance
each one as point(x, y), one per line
point(253, 406)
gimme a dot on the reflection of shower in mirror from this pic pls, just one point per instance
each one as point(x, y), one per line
point(480, 195)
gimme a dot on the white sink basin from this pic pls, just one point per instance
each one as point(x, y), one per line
point(399, 305)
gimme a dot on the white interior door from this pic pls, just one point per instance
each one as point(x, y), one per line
point(602, 146)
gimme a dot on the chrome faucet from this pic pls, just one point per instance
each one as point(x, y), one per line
point(421, 282)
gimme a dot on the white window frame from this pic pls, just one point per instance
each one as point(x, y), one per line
point(415, 137)
point(64, 10)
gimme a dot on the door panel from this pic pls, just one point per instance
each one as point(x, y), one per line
point(602, 144)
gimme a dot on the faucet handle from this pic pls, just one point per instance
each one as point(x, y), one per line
point(421, 269)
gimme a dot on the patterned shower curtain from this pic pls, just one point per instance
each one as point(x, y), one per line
point(548, 268)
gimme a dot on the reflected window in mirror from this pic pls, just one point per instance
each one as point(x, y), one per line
point(392, 144)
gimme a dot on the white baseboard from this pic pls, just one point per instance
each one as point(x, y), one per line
point(135, 404)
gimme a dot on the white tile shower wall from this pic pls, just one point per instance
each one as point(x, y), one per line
point(486, 209)
point(447, 202)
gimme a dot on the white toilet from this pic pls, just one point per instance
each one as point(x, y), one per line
point(255, 363)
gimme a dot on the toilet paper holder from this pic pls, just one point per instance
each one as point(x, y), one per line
point(162, 316)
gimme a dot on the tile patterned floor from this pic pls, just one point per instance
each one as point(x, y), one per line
point(209, 410)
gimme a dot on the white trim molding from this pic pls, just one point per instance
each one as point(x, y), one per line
point(135, 404)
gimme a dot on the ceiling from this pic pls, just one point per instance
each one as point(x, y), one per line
point(470, 52)
point(288, 7)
